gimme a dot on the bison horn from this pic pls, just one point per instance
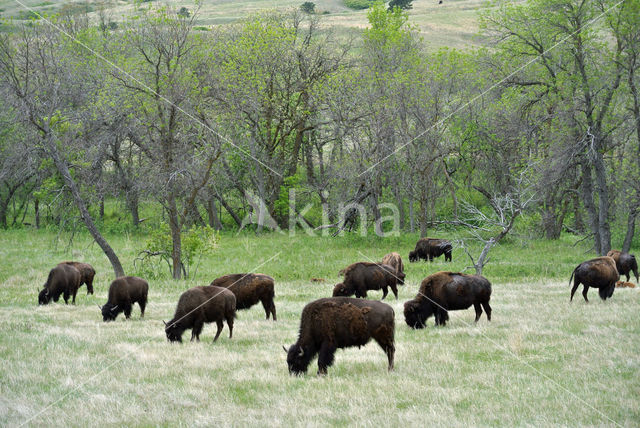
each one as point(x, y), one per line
point(114, 308)
point(301, 353)
point(285, 349)
point(165, 323)
point(99, 307)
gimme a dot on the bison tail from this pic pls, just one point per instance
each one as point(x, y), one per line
point(49, 278)
point(572, 273)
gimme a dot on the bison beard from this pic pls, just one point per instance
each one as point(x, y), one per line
point(446, 291)
point(340, 322)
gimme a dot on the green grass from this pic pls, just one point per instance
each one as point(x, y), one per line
point(541, 361)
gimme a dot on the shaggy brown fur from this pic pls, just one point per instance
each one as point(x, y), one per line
point(448, 291)
point(362, 276)
point(340, 322)
point(123, 293)
point(625, 263)
point(600, 273)
point(622, 284)
point(200, 305)
point(249, 289)
point(87, 272)
point(394, 260)
point(63, 279)
point(429, 248)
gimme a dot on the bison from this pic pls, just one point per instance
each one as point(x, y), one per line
point(600, 273)
point(394, 260)
point(447, 291)
point(625, 263)
point(430, 248)
point(123, 293)
point(362, 276)
point(63, 279)
point(200, 305)
point(340, 322)
point(249, 289)
point(87, 272)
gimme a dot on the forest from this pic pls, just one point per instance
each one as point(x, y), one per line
point(539, 129)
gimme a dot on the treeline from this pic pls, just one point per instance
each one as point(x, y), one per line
point(544, 121)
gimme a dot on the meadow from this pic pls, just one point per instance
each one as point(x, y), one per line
point(540, 361)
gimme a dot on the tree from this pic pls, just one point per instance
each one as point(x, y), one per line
point(308, 7)
point(50, 82)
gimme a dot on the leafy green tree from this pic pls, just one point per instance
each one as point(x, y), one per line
point(308, 7)
point(402, 4)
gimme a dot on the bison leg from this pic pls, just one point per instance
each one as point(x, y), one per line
point(325, 357)
point(269, 307)
point(73, 301)
point(230, 325)
point(487, 309)
point(478, 309)
point(273, 310)
point(66, 296)
point(584, 292)
point(220, 324)
point(447, 257)
point(143, 305)
point(196, 330)
point(384, 337)
point(441, 317)
point(127, 310)
point(385, 291)
point(576, 283)
point(394, 288)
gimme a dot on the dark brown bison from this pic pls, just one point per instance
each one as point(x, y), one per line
point(430, 248)
point(394, 260)
point(447, 291)
point(200, 305)
point(87, 272)
point(362, 276)
point(625, 263)
point(600, 273)
point(123, 293)
point(340, 322)
point(249, 289)
point(63, 279)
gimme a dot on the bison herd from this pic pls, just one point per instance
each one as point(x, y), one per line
point(327, 324)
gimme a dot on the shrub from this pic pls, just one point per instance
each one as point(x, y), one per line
point(308, 7)
point(358, 4)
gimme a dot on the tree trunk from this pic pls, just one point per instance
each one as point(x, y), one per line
point(214, 220)
point(36, 207)
point(589, 205)
point(132, 203)
point(603, 205)
point(174, 226)
point(232, 213)
point(63, 169)
point(631, 225)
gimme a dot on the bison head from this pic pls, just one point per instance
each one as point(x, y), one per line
point(109, 312)
point(416, 313)
point(341, 290)
point(44, 297)
point(297, 359)
point(413, 256)
point(173, 332)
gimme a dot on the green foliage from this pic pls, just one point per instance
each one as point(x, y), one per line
point(358, 4)
point(184, 12)
point(402, 4)
point(308, 7)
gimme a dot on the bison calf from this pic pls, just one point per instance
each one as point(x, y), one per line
point(87, 272)
point(123, 293)
point(249, 289)
point(63, 279)
point(200, 305)
point(362, 276)
point(429, 248)
point(340, 322)
point(394, 260)
point(600, 273)
point(625, 263)
point(447, 291)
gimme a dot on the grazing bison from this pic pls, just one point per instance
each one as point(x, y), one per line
point(430, 248)
point(200, 305)
point(87, 272)
point(394, 260)
point(340, 322)
point(625, 263)
point(600, 273)
point(63, 279)
point(123, 293)
point(249, 289)
point(447, 291)
point(362, 276)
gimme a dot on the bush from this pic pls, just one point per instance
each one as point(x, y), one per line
point(358, 4)
point(308, 7)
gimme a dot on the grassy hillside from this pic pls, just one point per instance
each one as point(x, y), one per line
point(452, 23)
point(540, 361)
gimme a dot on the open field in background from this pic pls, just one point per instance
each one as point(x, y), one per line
point(452, 24)
point(541, 361)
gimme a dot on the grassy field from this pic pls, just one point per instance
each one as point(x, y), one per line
point(452, 23)
point(541, 361)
